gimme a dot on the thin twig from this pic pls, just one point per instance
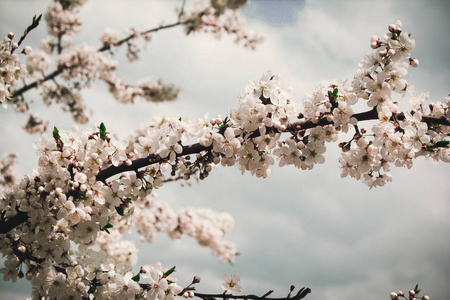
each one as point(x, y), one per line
point(33, 25)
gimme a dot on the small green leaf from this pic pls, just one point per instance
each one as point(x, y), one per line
point(106, 227)
point(56, 135)
point(57, 138)
point(416, 289)
point(103, 133)
point(136, 278)
point(128, 200)
point(119, 210)
point(443, 144)
point(168, 272)
point(335, 92)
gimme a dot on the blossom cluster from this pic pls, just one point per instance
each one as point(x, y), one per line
point(412, 295)
point(63, 18)
point(79, 65)
point(90, 188)
point(65, 203)
point(220, 17)
point(8, 177)
point(205, 225)
point(395, 138)
point(11, 69)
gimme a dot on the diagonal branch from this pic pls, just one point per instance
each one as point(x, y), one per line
point(13, 222)
point(103, 175)
point(61, 69)
point(34, 24)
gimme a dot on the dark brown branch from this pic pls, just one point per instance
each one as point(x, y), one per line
point(131, 36)
point(35, 83)
point(34, 24)
point(13, 222)
point(364, 116)
point(197, 148)
point(60, 69)
point(300, 295)
point(302, 125)
point(103, 175)
point(146, 161)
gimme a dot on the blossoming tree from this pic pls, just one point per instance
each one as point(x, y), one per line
point(90, 188)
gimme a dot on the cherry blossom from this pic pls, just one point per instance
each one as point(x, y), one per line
point(232, 283)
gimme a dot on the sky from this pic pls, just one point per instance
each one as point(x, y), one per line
point(306, 228)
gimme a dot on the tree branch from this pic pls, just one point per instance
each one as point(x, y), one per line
point(34, 24)
point(300, 295)
point(34, 84)
point(103, 175)
point(131, 36)
point(60, 69)
point(13, 222)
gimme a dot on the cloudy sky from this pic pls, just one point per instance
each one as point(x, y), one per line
point(307, 228)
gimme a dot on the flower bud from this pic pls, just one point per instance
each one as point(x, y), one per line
point(375, 42)
point(362, 142)
point(394, 296)
point(185, 294)
point(392, 27)
point(414, 62)
point(26, 50)
point(10, 35)
point(15, 45)
point(412, 294)
point(196, 279)
point(29, 275)
point(391, 52)
point(382, 53)
point(425, 298)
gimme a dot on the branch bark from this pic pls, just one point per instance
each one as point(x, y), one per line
point(103, 175)
point(300, 295)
